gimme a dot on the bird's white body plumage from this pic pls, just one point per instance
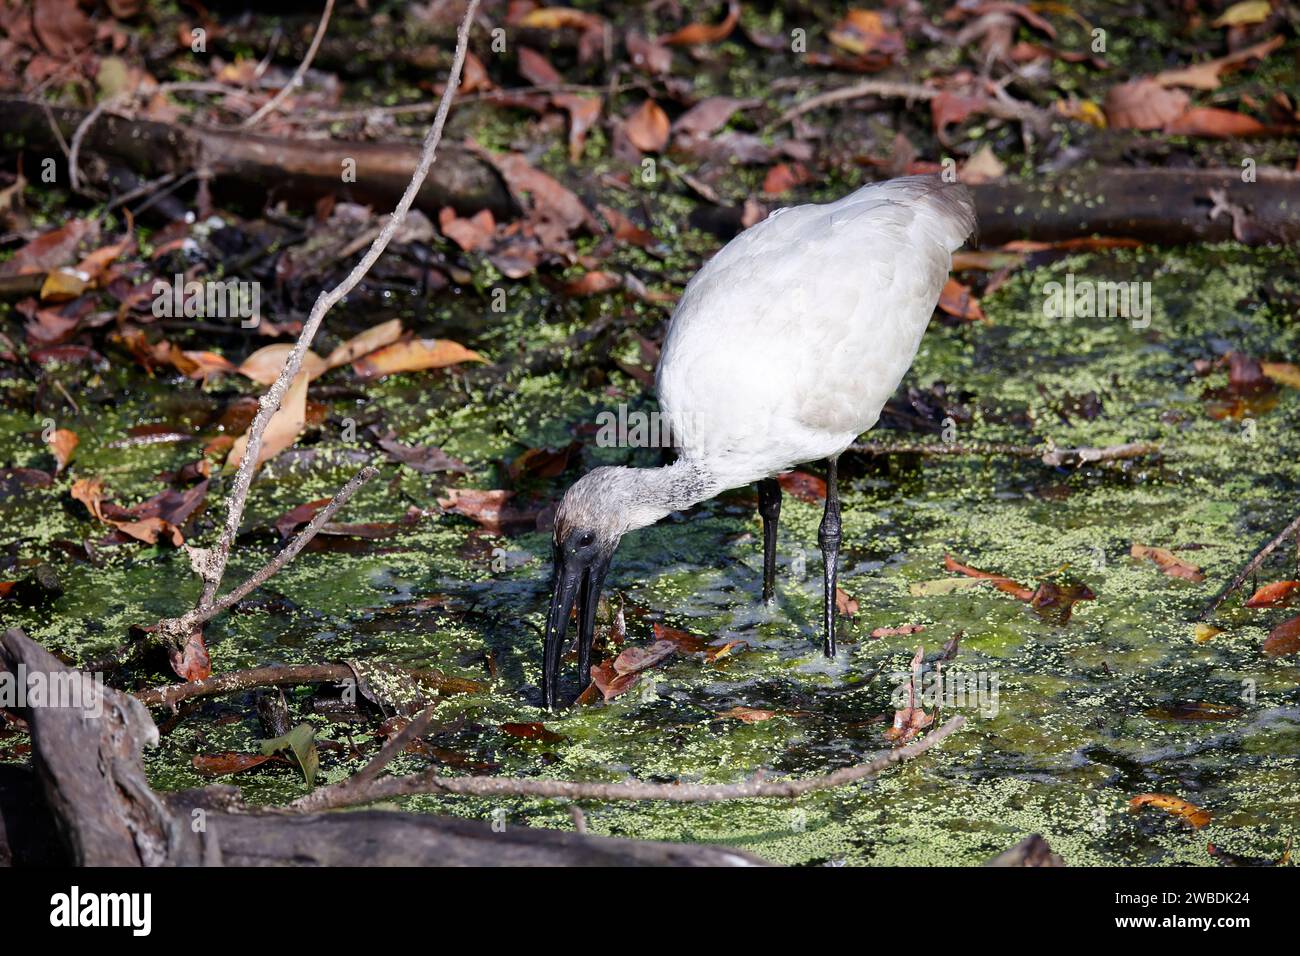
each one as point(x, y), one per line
point(787, 344)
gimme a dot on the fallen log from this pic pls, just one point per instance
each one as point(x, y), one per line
point(1164, 206)
point(89, 788)
point(1160, 206)
point(306, 168)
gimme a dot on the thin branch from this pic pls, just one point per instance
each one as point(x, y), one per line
point(299, 73)
point(270, 401)
point(288, 675)
point(1003, 109)
point(273, 675)
point(1251, 566)
point(424, 107)
point(1047, 454)
point(186, 623)
point(340, 795)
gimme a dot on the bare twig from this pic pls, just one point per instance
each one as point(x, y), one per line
point(273, 675)
point(754, 789)
point(426, 107)
point(186, 623)
point(270, 401)
point(1047, 454)
point(1251, 566)
point(299, 73)
point(1001, 108)
point(287, 675)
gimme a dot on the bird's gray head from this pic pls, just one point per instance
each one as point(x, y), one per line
point(608, 502)
point(596, 512)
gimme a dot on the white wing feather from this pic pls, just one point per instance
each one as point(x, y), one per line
point(787, 344)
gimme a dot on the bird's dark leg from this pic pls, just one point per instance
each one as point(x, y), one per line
point(828, 536)
point(769, 506)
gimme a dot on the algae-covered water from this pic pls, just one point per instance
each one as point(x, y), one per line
point(1070, 721)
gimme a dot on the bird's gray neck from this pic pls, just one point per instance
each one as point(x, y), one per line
point(676, 487)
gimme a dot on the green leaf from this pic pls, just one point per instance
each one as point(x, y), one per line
point(301, 742)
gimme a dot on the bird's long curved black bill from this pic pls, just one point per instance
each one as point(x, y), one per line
point(573, 583)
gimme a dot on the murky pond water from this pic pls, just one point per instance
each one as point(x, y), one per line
point(1059, 747)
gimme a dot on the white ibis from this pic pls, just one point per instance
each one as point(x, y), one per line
point(783, 350)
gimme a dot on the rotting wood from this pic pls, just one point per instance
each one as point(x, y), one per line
point(307, 168)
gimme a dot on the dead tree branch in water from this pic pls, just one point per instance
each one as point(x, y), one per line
point(288, 675)
point(345, 795)
point(1293, 529)
point(1047, 454)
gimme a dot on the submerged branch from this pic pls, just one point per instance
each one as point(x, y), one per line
point(346, 795)
point(1250, 568)
point(1047, 454)
point(286, 675)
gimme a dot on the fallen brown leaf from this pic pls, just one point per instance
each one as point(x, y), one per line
point(1195, 710)
point(1175, 805)
point(583, 112)
point(219, 765)
point(1205, 75)
point(536, 69)
point(999, 581)
point(49, 250)
point(414, 355)
point(958, 301)
point(801, 485)
point(1143, 104)
point(264, 365)
point(897, 631)
point(532, 731)
point(191, 661)
point(372, 339)
point(633, 660)
point(1283, 639)
point(1210, 121)
point(694, 33)
point(1168, 562)
point(1276, 594)
point(282, 430)
point(488, 508)
point(90, 492)
point(749, 715)
point(470, 234)
point(784, 177)
point(63, 442)
point(648, 127)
